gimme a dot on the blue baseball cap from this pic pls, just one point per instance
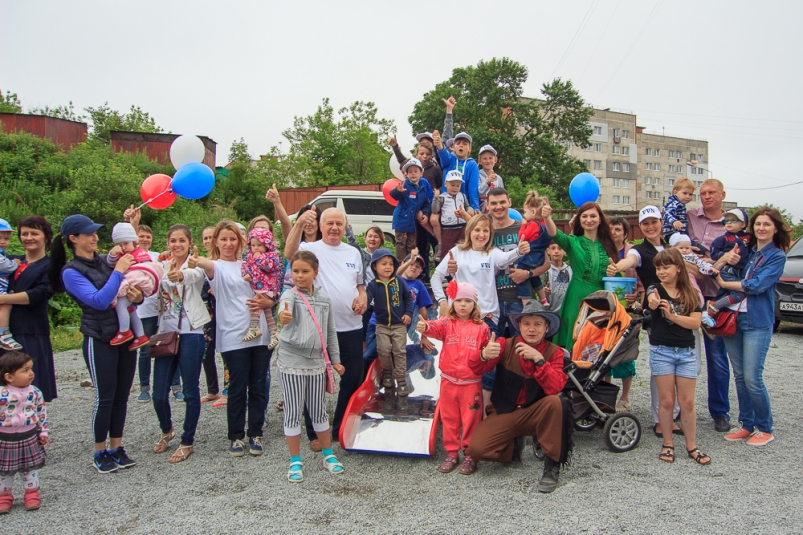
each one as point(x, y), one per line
point(78, 224)
point(4, 226)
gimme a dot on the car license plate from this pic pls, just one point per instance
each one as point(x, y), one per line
point(796, 307)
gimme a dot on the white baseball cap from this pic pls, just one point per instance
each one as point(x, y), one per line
point(453, 175)
point(423, 135)
point(412, 161)
point(463, 135)
point(677, 237)
point(487, 148)
point(649, 211)
point(739, 213)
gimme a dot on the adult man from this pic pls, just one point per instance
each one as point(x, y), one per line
point(525, 396)
point(705, 225)
point(340, 276)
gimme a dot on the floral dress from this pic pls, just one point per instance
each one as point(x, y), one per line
point(589, 262)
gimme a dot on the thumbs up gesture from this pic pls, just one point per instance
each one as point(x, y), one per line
point(491, 178)
point(611, 269)
point(174, 275)
point(286, 316)
point(654, 300)
point(192, 261)
point(492, 349)
point(436, 138)
point(546, 210)
point(421, 326)
point(392, 141)
point(272, 194)
point(451, 266)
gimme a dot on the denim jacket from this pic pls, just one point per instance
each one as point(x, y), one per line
point(763, 270)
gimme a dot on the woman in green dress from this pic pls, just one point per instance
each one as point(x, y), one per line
point(590, 249)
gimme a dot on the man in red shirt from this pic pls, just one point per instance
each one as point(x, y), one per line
point(524, 399)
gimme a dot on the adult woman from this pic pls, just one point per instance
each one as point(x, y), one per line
point(247, 362)
point(93, 284)
point(181, 309)
point(590, 248)
point(29, 292)
point(770, 238)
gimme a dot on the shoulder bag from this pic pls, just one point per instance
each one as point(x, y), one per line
point(166, 344)
point(330, 373)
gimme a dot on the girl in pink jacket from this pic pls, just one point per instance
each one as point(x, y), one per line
point(463, 334)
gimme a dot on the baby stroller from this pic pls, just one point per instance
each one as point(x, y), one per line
point(606, 336)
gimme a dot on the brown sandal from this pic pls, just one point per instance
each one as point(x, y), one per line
point(699, 457)
point(210, 397)
point(667, 456)
point(450, 463)
point(181, 454)
point(164, 441)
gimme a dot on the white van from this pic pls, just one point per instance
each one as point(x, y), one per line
point(364, 209)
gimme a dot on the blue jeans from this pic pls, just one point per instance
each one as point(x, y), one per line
point(719, 376)
point(248, 369)
point(189, 360)
point(747, 350)
point(505, 328)
point(150, 326)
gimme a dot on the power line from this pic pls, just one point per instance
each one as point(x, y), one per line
point(751, 173)
point(760, 189)
point(583, 22)
point(579, 80)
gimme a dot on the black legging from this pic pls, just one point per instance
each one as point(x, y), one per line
point(210, 367)
point(423, 241)
point(112, 370)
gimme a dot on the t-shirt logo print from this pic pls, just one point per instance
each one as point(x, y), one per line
point(351, 266)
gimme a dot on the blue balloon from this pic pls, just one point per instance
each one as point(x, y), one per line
point(514, 214)
point(584, 188)
point(193, 181)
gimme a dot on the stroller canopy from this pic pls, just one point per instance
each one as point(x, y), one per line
point(600, 325)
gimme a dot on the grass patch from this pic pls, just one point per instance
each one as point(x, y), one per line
point(65, 338)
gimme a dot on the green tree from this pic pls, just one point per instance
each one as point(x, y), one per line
point(531, 136)
point(239, 152)
point(59, 112)
point(343, 148)
point(9, 103)
point(104, 120)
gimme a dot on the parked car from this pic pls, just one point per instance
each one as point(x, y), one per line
point(789, 292)
point(364, 209)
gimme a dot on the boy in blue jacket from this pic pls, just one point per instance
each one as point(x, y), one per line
point(393, 307)
point(415, 202)
point(460, 161)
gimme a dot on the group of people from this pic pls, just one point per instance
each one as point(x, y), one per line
point(332, 307)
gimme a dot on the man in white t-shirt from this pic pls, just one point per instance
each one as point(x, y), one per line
point(340, 277)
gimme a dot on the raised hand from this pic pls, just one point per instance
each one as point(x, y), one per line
point(654, 300)
point(546, 210)
point(400, 187)
point(286, 316)
point(421, 326)
point(174, 275)
point(492, 349)
point(450, 103)
point(436, 138)
point(611, 269)
point(524, 247)
point(528, 352)
point(273, 194)
point(392, 141)
point(451, 266)
point(192, 261)
point(491, 178)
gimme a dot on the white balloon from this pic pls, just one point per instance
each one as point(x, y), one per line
point(186, 149)
point(395, 168)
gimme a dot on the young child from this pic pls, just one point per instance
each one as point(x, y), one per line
point(393, 306)
point(7, 267)
point(301, 361)
point(144, 275)
point(675, 218)
point(675, 315)
point(488, 177)
point(410, 270)
point(464, 335)
point(533, 231)
point(23, 430)
point(558, 277)
point(263, 269)
point(424, 153)
point(450, 211)
point(461, 161)
point(415, 198)
point(735, 237)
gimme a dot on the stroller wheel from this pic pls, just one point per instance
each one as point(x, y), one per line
point(622, 432)
point(586, 424)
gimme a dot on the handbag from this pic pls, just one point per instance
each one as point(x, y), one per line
point(166, 344)
point(330, 373)
point(726, 323)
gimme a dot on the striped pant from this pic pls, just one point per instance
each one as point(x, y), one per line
point(299, 390)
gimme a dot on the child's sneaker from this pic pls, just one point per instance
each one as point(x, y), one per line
point(252, 334)
point(138, 342)
point(121, 458)
point(255, 446)
point(8, 343)
point(708, 321)
point(32, 500)
point(237, 448)
point(121, 337)
point(6, 501)
point(274, 340)
point(103, 462)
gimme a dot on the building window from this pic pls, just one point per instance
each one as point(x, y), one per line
point(626, 134)
point(670, 181)
point(656, 181)
point(615, 199)
point(626, 199)
point(648, 194)
point(649, 166)
point(615, 132)
point(597, 164)
point(616, 183)
point(648, 181)
point(616, 149)
point(702, 157)
point(597, 130)
point(656, 152)
point(657, 167)
point(597, 147)
point(692, 156)
point(626, 167)
point(626, 151)
point(671, 168)
point(617, 166)
point(647, 151)
point(679, 155)
point(671, 154)
point(587, 163)
point(680, 169)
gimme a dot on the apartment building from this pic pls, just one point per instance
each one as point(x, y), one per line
point(635, 168)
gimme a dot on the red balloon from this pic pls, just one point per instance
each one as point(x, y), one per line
point(390, 184)
point(156, 192)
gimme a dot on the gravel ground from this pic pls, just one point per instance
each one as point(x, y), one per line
point(601, 492)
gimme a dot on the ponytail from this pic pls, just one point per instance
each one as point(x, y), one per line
point(58, 259)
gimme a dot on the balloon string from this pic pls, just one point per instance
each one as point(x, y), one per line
point(168, 190)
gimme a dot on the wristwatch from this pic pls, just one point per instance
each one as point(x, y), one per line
point(529, 273)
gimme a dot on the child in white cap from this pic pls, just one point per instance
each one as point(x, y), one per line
point(144, 275)
point(450, 211)
point(7, 267)
point(488, 177)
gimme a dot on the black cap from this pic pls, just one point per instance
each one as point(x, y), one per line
point(78, 224)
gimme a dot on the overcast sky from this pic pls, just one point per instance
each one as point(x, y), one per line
point(724, 71)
